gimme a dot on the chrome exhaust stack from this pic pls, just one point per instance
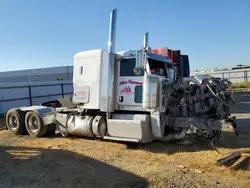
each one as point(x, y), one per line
point(141, 55)
point(112, 32)
point(145, 41)
point(111, 72)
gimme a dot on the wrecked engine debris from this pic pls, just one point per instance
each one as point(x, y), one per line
point(194, 108)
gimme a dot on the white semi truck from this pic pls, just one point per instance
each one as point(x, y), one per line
point(128, 96)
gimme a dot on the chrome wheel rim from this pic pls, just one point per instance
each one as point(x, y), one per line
point(33, 124)
point(13, 122)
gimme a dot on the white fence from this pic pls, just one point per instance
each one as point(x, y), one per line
point(235, 76)
point(27, 94)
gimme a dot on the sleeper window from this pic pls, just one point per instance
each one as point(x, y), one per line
point(81, 69)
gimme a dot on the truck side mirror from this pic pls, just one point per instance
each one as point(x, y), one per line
point(139, 62)
point(172, 74)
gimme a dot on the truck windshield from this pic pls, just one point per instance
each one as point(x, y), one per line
point(158, 68)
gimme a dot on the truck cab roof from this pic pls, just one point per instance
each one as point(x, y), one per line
point(131, 53)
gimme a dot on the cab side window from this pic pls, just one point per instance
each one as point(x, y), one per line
point(138, 94)
point(157, 68)
point(127, 66)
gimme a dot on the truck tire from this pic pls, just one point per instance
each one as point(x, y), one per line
point(34, 125)
point(14, 120)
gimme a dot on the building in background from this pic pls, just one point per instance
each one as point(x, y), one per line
point(34, 86)
point(238, 74)
point(37, 75)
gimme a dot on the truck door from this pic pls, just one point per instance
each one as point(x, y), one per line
point(129, 85)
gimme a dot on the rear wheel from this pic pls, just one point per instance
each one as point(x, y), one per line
point(15, 121)
point(34, 125)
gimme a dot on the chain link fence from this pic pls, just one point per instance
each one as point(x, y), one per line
point(235, 76)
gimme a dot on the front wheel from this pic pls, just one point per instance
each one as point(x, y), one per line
point(34, 124)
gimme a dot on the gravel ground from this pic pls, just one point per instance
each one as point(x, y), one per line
point(77, 162)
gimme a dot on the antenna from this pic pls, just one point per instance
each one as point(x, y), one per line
point(145, 41)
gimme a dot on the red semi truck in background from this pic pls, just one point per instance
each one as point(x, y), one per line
point(180, 62)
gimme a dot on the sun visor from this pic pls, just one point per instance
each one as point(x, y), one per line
point(158, 57)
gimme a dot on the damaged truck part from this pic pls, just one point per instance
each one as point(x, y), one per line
point(128, 96)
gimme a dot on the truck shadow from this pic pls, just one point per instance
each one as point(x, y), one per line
point(37, 167)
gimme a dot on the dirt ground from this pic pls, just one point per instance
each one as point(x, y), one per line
point(77, 162)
